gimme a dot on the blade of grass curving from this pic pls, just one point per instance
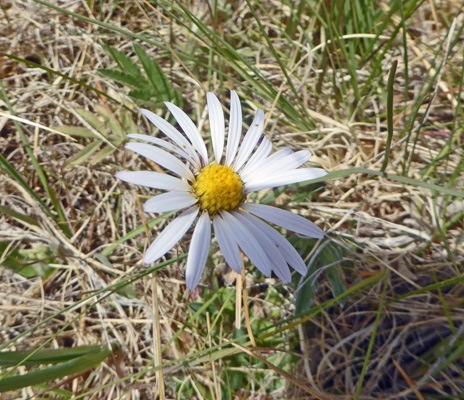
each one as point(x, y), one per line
point(446, 308)
point(428, 288)
point(21, 181)
point(405, 57)
point(443, 236)
point(61, 216)
point(407, 158)
point(277, 58)
point(18, 216)
point(398, 178)
point(48, 356)
point(64, 76)
point(372, 339)
point(105, 25)
point(409, 10)
point(456, 130)
point(251, 74)
point(452, 356)
point(256, 81)
point(391, 82)
point(74, 366)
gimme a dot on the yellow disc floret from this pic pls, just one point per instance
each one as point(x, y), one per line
point(218, 187)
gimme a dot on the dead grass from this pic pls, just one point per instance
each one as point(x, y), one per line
point(385, 225)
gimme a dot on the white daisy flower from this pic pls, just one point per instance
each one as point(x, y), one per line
point(214, 191)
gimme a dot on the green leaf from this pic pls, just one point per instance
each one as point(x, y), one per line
point(306, 291)
point(75, 131)
point(155, 74)
point(28, 263)
point(124, 78)
point(125, 63)
point(93, 121)
point(111, 120)
point(143, 94)
point(330, 257)
point(103, 153)
point(85, 154)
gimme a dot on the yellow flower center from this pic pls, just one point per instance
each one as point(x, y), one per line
point(218, 187)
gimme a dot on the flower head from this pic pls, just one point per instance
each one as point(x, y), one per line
point(214, 191)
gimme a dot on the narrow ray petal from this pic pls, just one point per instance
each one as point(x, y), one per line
point(153, 180)
point(247, 243)
point(278, 166)
point(286, 249)
point(166, 240)
point(250, 139)
point(198, 251)
point(216, 122)
point(189, 129)
point(228, 245)
point(165, 144)
point(260, 154)
point(286, 178)
point(285, 219)
point(173, 134)
point(274, 255)
point(235, 128)
point(169, 202)
point(278, 155)
point(162, 158)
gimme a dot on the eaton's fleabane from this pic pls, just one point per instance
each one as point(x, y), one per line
point(213, 191)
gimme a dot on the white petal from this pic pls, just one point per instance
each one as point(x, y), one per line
point(279, 154)
point(284, 246)
point(235, 127)
point(169, 201)
point(216, 122)
point(166, 240)
point(278, 166)
point(173, 134)
point(280, 266)
point(286, 178)
point(260, 154)
point(250, 139)
point(189, 129)
point(162, 158)
point(247, 243)
point(227, 244)
point(153, 180)
point(198, 251)
point(165, 144)
point(285, 219)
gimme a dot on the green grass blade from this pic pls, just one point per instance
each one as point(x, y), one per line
point(398, 178)
point(74, 366)
point(61, 216)
point(48, 356)
point(372, 339)
point(391, 82)
point(64, 76)
point(18, 178)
